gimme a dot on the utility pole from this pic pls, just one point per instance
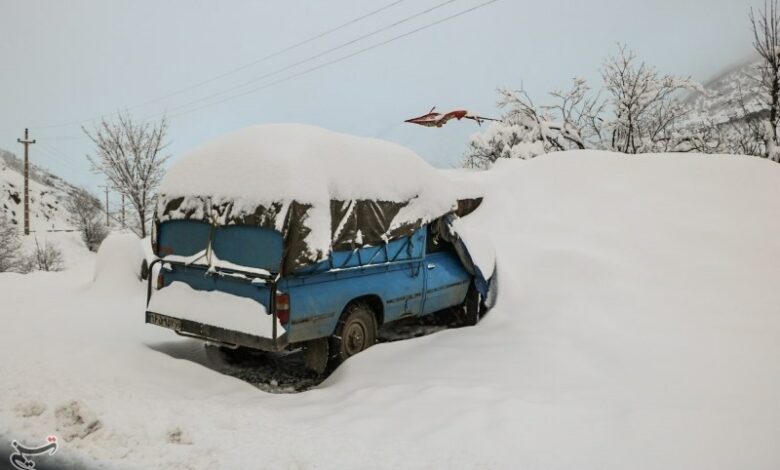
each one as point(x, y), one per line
point(106, 188)
point(123, 205)
point(26, 142)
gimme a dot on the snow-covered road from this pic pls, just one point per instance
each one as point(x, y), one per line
point(637, 326)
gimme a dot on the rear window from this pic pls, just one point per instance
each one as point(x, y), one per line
point(242, 245)
point(249, 246)
point(183, 237)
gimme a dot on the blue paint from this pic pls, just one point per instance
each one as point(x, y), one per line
point(410, 276)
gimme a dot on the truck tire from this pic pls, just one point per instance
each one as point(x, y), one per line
point(355, 332)
point(472, 306)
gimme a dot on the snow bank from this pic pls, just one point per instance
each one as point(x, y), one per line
point(70, 244)
point(118, 261)
point(636, 326)
point(214, 308)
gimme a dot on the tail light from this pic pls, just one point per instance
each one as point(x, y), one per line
point(283, 307)
point(160, 280)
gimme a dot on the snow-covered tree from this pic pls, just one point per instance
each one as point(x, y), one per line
point(84, 209)
point(766, 41)
point(130, 155)
point(641, 112)
point(527, 130)
point(645, 113)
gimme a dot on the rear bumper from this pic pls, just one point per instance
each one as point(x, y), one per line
point(216, 334)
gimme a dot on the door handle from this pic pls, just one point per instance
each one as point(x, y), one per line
point(431, 265)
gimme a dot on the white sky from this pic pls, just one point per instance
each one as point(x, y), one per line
point(67, 62)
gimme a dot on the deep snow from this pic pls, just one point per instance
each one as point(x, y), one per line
point(283, 163)
point(637, 326)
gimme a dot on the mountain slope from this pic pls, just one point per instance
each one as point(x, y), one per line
point(48, 194)
point(724, 94)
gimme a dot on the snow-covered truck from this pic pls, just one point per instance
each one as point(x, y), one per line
point(286, 236)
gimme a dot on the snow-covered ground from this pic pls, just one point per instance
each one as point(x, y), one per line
point(637, 326)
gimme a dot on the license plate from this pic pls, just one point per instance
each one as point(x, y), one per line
point(165, 322)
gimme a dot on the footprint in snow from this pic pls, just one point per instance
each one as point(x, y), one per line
point(74, 420)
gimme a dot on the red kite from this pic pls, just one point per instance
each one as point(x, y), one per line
point(433, 119)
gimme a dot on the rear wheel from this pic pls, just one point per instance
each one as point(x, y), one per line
point(355, 332)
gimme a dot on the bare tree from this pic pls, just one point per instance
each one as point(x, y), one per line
point(766, 41)
point(46, 257)
point(645, 109)
point(10, 246)
point(84, 209)
point(131, 156)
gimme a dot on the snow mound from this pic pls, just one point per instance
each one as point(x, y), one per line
point(118, 262)
point(269, 163)
point(636, 327)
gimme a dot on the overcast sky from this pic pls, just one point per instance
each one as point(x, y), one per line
point(63, 63)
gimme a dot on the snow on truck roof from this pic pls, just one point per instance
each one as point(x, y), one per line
point(323, 190)
point(276, 162)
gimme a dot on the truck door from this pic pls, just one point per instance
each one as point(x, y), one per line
point(446, 280)
point(402, 284)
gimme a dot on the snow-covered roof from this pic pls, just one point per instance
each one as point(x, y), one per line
point(276, 162)
point(341, 190)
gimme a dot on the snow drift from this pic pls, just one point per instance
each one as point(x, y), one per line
point(637, 326)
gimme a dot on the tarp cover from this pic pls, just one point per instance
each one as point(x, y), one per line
point(322, 190)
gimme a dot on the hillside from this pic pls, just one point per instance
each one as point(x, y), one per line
point(48, 193)
point(725, 93)
point(636, 327)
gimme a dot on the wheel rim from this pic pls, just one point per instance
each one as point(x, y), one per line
point(354, 338)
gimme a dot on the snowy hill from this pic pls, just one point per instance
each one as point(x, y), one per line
point(723, 94)
point(48, 193)
point(637, 326)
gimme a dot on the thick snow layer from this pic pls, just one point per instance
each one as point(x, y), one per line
point(118, 261)
point(69, 244)
point(214, 308)
point(637, 326)
point(280, 163)
point(276, 162)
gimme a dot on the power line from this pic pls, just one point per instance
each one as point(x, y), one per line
point(334, 61)
point(311, 58)
point(56, 162)
point(273, 54)
point(74, 161)
point(240, 68)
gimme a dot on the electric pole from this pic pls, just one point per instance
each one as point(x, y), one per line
point(123, 205)
point(106, 188)
point(26, 142)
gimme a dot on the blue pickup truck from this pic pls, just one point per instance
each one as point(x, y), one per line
point(318, 262)
point(333, 308)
